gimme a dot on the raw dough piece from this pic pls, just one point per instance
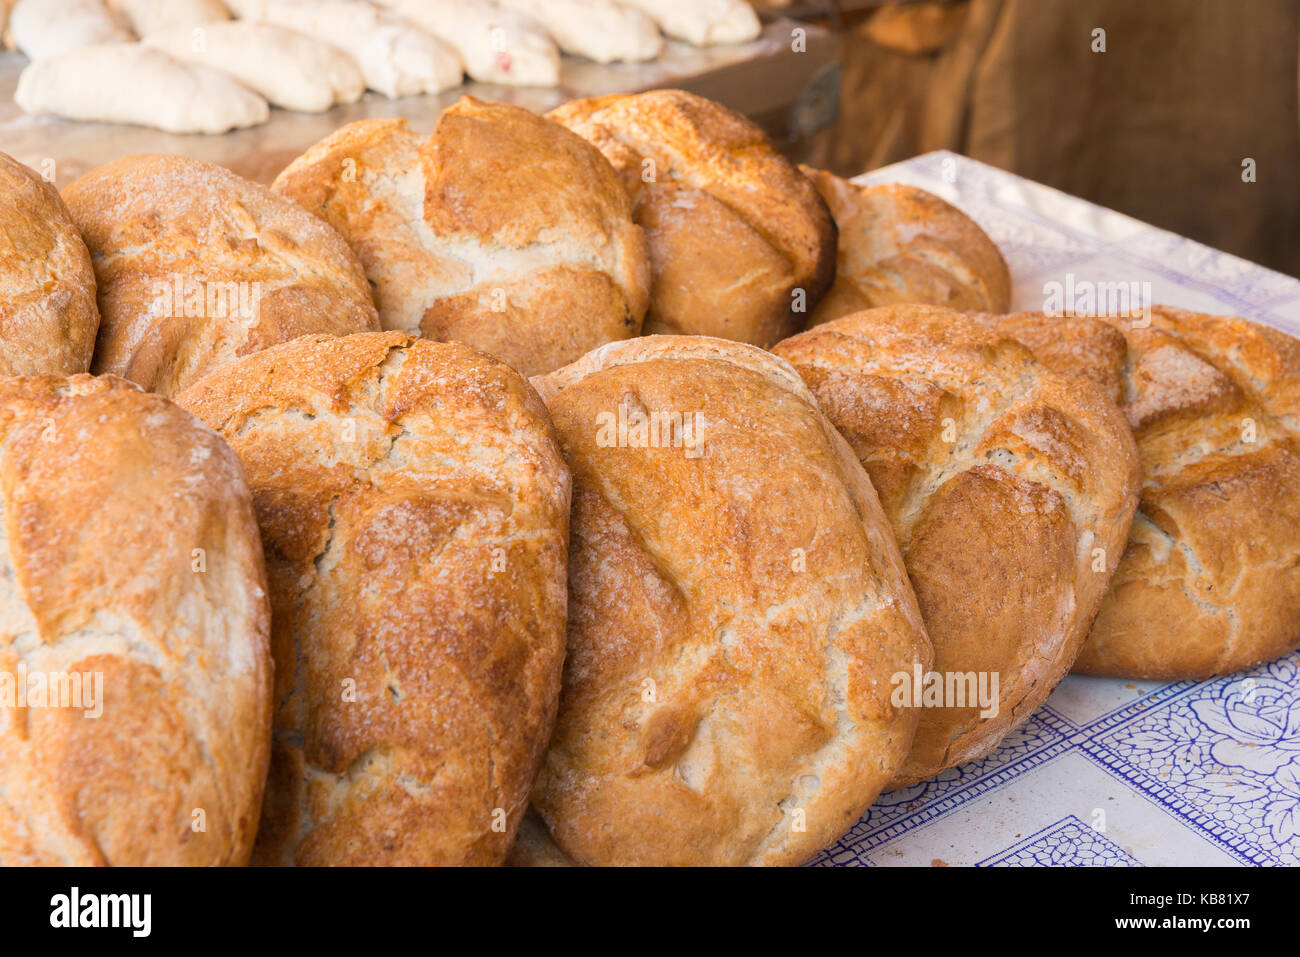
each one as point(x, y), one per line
point(599, 30)
point(289, 69)
point(42, 28)
point(703, 22)
point(396, 57)
point(497, 45)
point(130, 83)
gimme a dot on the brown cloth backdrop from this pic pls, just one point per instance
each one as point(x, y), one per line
point(1157, 126)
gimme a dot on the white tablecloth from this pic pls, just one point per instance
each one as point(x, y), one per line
point(1108, 772)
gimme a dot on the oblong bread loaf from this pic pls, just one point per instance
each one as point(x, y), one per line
point(738, 610)
point(48, 317)
point(502, 230)
point(1010, 489)
point(1210, 580)
point(741, 245)
point(131, 581)
point(414, 508)
point(197, 266)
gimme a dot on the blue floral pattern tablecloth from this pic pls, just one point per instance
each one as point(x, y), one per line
point(1108, 773)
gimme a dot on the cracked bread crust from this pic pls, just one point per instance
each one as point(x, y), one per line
point(899, 244)
point(252, 269)
point(502, 230)
point(1000, 478)
point(735, 618)
point(1210, 581)
point(414, 512)
point(128, 548)
point(48, 316)
point(734, 228)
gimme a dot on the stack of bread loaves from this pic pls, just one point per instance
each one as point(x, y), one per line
point(345, 586)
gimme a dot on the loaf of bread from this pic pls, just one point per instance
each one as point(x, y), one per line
point(48, 317)
point(741, 245)
point(899, 244)
point(738, 610)
point(197, 266)
point(414, 510)
point(1010, 488)
point(1210, 581)
point(502, 230)
point(131, 581)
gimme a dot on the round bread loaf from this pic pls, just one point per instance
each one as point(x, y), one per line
point(197, 266)
point(1010, 488)
point(741, 245)
point(899, 244)
point(131, 581)
point(738, 608)
point(48, 317)
point(1210, 581)
point(503, 230)
point(414, 511)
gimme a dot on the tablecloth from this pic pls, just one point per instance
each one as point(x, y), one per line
point(1108, 772)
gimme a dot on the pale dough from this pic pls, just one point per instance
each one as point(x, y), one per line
point(702, 22)
point(395, 56)
point(43, 28)
point(289, 69)
point(496, 45)
point(130, 83)
point(599, 30)
point(151, 16)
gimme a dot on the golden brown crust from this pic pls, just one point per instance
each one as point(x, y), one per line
point(734, 228)
point(1210, 581)
point(1000, 479)
point(735, 616)
point(197, 266)
point(48, 317)
point(502, 230)
point(129, 549)
point(414, 510)
point(899, 244)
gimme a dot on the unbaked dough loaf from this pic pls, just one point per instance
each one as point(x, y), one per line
point(396, 58)
point(151, 16)
point(130, 83)
point(290, 69)
point(502, 229)
point(197, 266)
point(495, 44)
point(1010, 489)
point(43, 28)
point(741, 245)
point(414, 508)
point(599, 30)
point(703, 22)
point(48, 317)
point(899, 244)
point(738, 608)
point(130, 559)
